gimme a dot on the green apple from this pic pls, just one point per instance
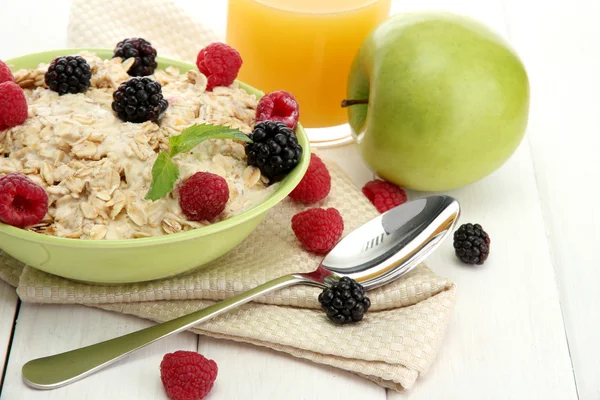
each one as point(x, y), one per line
point(436, 101)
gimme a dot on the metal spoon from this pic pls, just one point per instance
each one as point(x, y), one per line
point(376, 253)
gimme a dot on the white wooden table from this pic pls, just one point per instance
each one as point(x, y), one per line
point(526, 325)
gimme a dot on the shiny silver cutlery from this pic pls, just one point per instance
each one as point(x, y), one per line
point(374, 254)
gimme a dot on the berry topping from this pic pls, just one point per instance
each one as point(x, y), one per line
point(5, 74)
point(13, 105)
point(278, 106)
point(471, 244)
point(315, 184)
point(142, 51)
point(139, 100)
point(220, 64)
point(275, 149)
point(318, 229)
point(203, 196)
point(69, 74)
point(384, 195)
point(22, 201)
point(187, 375)
point(345, 301)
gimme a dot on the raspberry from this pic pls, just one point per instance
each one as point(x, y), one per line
point(315, 184)
point(203, 196)
point(187, 375)
point(22, 201)
point(220, 64)
point(318, 229)
point(13, 105)
point(384, 195)
point(279, 106)
point(5, 74)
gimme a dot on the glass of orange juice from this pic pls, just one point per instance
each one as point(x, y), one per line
point(303, 46)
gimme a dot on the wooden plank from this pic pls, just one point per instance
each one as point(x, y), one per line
point(252, 372)
point(8, 309)
point(489, 12)
point(506, 338)
point(559, 43)
point(43, 330)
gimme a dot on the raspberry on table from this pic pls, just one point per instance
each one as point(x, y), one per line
point(203, 196)
point(220, 64)
point(13, 105)
point(316, 183)
point(345, 301)
point(471, 244)
point(318, 229)
point(187, 375)
point(22, 201)
point(279, 106)
point(139, 100)
point(71, 74)
point(5, 73)
point(384, 195)
point(274, 149)
point(143, 53)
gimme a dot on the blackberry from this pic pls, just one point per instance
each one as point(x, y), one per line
point(69, 74)
point(142, 51)
point(139, 100)
point(345, 301)
point(471, 244)
point(275, 149)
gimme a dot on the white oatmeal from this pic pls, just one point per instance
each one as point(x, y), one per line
point(96, 169)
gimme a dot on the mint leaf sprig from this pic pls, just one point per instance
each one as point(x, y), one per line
point(164, 171)
point(164, 175)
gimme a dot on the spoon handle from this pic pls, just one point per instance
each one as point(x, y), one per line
point(62, 369)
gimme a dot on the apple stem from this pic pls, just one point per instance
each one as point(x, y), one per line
point(347, 103)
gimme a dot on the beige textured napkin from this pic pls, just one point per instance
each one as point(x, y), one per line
point(103, 23)
point(397, 340)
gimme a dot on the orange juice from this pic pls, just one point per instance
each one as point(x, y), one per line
point(303, 46)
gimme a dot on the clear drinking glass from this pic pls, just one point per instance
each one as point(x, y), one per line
point(305, 47)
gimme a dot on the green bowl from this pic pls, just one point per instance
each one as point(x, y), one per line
point(138, 260)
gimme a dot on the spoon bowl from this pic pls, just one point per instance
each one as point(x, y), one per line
point(376, 253)
point(394, 243)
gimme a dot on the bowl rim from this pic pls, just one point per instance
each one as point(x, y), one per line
point(285, 186)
